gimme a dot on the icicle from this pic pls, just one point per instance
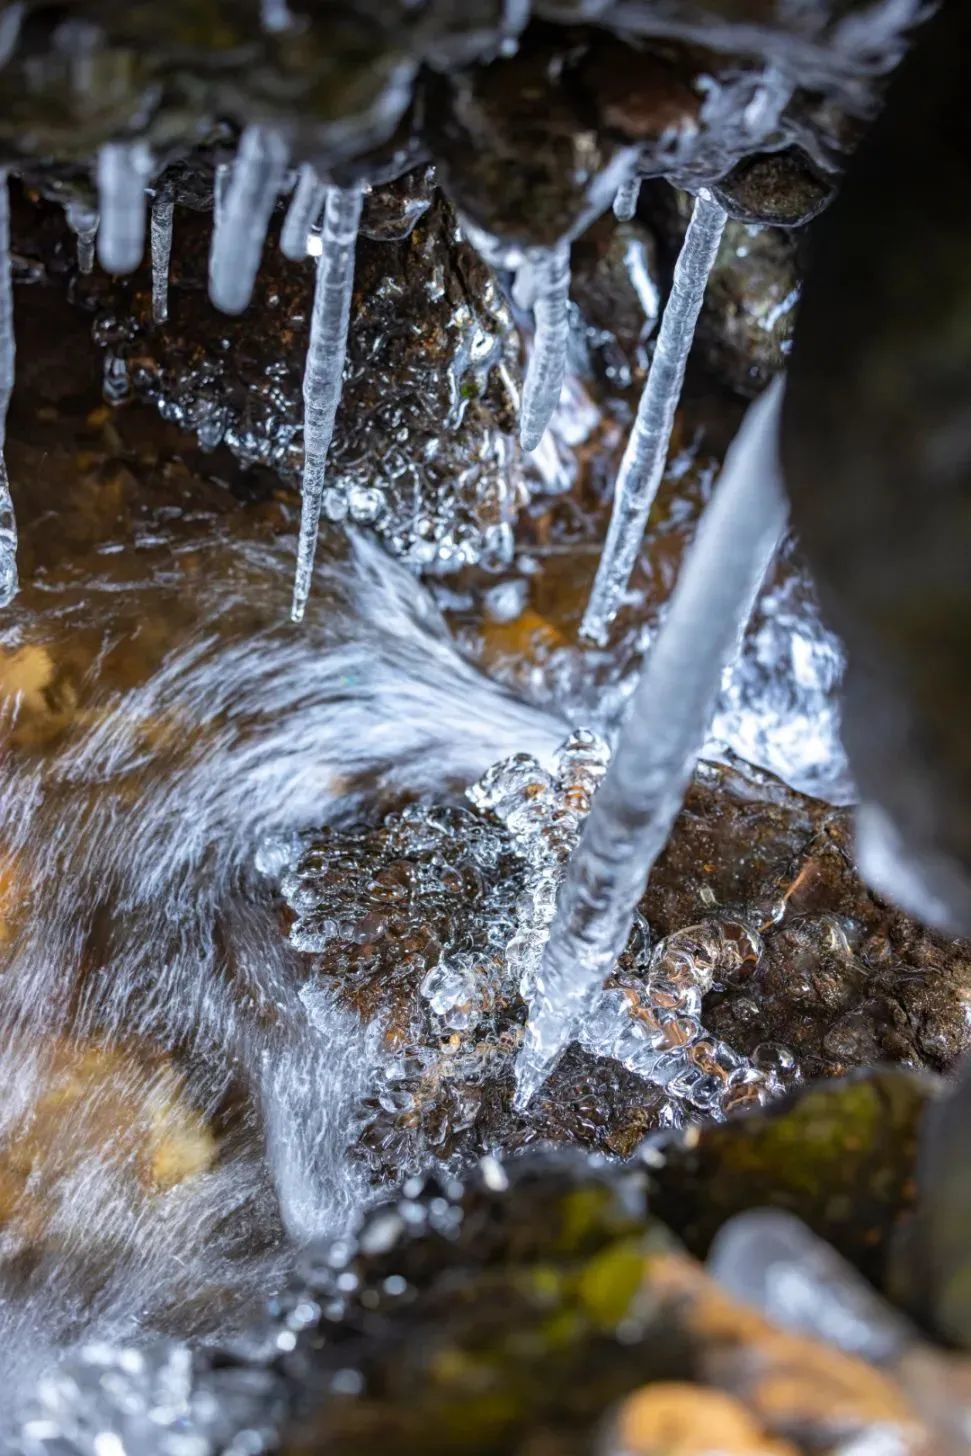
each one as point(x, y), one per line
point(83, 222)
point(547, 363)
point(304, 210)
point(8, 524)
point(275, 15)
point(625, 203)
point(324, 369)
point(123, 170)
point(8, 541)
point(163, 209)
point(642, 791)
point(647, 449)
point(220, 187)
point(241, 223)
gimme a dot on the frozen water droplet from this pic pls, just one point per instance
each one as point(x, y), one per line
point(325, 369)
point(123, 170)
point(547, 362)
point(647, 449)
point(242, 220)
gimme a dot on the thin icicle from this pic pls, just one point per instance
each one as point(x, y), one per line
point(547, 363)
point(241, 223)
point(643, 789)
point(304, 210)
point(83, 222)
point(163, 211)
point(625, 203)
point(647, 449)
point(222, 177)
point(324, 369)
point(123, 170)
point(8, 524)
point(8, 541)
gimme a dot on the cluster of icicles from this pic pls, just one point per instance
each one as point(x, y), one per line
point(672, 707)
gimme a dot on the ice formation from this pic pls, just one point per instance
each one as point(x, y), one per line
point(123, 170)
point(547, 363)
point(646, 454)
point(8, 541)
point(163, 210)
point(8, 523)
point(304, 211)
point(241, 223)
point(324, 369)
point(642, 792)
point(83, 222)
point(625, 203)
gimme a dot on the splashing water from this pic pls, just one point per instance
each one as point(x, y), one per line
point(241, 222)
point(123, 170)
point(305, 208)
point(647, 449)
point(163, 212)
point(547, 363)
point(642, 792)
point(325, 370)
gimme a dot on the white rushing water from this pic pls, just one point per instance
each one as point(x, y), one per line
point(644, 459)
point(324, 370)
point(123, 170)
point(242, 219)
point(665, 728)
point(305, 208)
point(545, 372)
point(163, 213)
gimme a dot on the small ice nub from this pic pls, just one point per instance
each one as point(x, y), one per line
point(625, 203)
point(647, 449)
point(305, 208)
point(324, 370)
point(83, 222)
point(163, 210)
point(547, 363)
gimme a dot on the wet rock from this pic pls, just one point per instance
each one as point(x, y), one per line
point(877, 457)
point(777, 189)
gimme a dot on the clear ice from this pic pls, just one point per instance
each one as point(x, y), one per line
point(324, 369)
point(242, 221)
point(123, 170)
point(163, 210)
point(644, 459)
point(305, 208)
point(547, 363)
point(636, 805)
point(83, 222)
point(8, 541)
point(625, 203)
point(8, 523)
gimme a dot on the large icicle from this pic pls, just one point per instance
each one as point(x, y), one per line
point(123, 170)
point(647, 449)
point(304, 210)
point(324, 369)
point(83, 222)
point(625, 203)
point(163, 210)
point(241, 223)
point(644, 786)
point(8, 524)
point(547, 363)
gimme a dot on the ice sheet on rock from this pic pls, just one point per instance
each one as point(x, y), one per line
point(625, 203)
point(643, 789)
point(8, 541)
point(547, 362)
point(305, 208)
point(324, 370)
point(241, 223)
point(647, 449)
point(163, 210)
point(123, 170)
point(770, 1259)
point(83, 222)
